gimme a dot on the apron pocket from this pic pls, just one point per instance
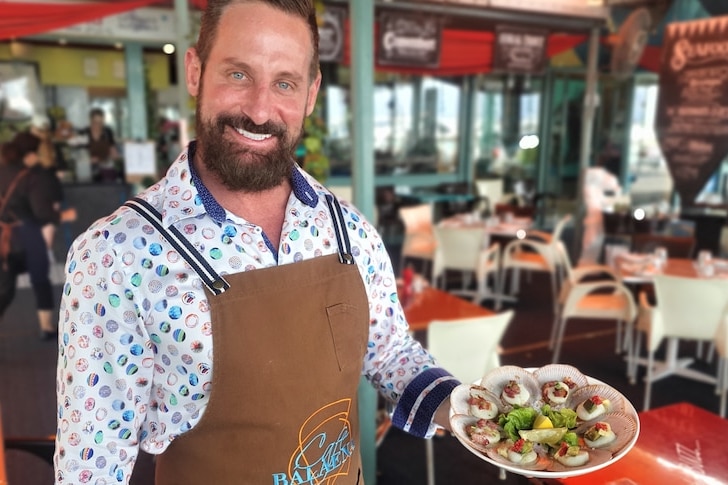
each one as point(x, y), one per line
point(347, 335)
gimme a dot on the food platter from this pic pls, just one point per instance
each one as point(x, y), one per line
point(491, 392)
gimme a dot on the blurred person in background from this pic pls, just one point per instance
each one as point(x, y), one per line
point(101, 147)
point(601, 188)
point(27, 206)
point(51, 159)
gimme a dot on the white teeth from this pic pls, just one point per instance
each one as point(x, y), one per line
point(252, 136)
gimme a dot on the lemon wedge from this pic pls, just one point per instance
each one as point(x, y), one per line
point(542, 422)
point(549, 436)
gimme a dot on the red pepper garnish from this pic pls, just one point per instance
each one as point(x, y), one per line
point(518, 446)
point(563, 448)
point(596, 400)
point(601, 426)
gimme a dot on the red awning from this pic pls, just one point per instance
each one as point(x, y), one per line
point(22, 19)
point(465, 52)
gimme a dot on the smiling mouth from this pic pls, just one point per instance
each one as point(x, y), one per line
point(253, 136)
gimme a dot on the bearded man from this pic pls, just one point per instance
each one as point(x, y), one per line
point(223, 318)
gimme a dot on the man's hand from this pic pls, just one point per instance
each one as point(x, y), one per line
point(442, 415)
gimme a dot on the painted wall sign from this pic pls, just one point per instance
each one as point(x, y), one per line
point(692, 108)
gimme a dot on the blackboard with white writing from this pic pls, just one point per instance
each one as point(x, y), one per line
point(692, 108)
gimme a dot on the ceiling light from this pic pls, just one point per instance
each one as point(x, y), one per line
point(168, 48)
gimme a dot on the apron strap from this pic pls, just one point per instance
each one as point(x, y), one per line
point(214, 282)
point(342, 236)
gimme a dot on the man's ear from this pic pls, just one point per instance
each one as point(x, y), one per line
point(313, 90)
point(193, 71)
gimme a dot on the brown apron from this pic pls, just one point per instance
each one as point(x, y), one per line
point(288, 348)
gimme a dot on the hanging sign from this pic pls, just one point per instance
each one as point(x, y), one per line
point(692, 107)
point(519, 50)
point(409, 40)
point(331, 34)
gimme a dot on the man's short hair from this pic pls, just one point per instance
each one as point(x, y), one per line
point(303, 9)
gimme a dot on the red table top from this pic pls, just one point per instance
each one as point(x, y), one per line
point(433, 304)
point(678, 444)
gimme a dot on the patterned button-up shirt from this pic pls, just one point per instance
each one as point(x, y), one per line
point(135, 358)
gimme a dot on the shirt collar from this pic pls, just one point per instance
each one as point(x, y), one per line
point(203, 201)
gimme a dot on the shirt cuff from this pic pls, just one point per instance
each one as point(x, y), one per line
point(421, 398)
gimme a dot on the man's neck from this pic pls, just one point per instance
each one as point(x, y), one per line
point(265, 209)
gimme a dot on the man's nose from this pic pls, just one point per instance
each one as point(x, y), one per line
point(258, 104)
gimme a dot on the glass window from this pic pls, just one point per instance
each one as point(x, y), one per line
point(415, 125)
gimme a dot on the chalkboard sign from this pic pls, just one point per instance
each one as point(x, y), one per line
point(692, 108)
point(409, 40)
point(331, 34)
point(519, 50)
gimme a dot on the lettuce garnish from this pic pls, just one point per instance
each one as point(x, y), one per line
point(518, 418)
point(563, 418)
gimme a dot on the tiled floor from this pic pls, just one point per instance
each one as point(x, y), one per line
point(27, 368)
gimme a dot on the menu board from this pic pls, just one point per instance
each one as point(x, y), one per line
point(331, 34)
point(409, 40)
point(519, 50)
point(692, 108)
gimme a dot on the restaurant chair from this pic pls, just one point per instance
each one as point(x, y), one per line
point(490, 189)
point(574, 276)
point(598, 300)
point(537, 252)
point(419, 236)
point(461, 249)
point(467, 348)
point(686, 309)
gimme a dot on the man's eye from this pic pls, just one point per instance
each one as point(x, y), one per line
point(284, 85)
point(238, 75)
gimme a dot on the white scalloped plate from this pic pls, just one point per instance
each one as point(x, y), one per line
point(555, 470)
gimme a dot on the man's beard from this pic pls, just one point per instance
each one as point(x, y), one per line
point(240, 168)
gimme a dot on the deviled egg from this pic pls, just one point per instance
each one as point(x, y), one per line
point(599, 434)
point(571, 456)
point(592, 408)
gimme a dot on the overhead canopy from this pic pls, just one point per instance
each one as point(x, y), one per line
point(464, 50)
point(21, 19)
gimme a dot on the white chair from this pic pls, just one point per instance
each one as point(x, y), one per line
point(467, 348)
point(419, 237)
point(461, 249)
point(533, 254)
point(686, 309)
point(574, 276)
point(488, 192)
point(599, 300)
